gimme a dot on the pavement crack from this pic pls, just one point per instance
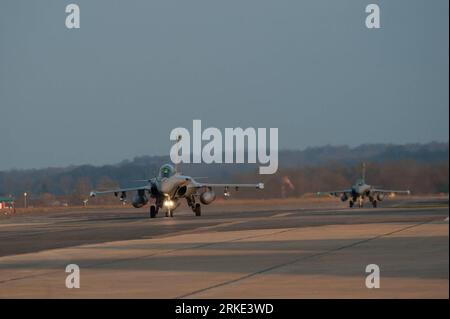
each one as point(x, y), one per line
point(299, 259)
point(110, 262)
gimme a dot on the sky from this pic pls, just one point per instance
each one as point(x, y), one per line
point(115, 88)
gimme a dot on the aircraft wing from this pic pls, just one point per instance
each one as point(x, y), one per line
point(119, 190)
point(390, 191)
point(335, 193)
point(212, 185)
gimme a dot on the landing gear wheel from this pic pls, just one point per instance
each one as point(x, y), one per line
point(153, 211)
point(169, 213)
point(374, 204)
point(198, 210)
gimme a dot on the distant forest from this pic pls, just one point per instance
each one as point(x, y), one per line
point(422, 168)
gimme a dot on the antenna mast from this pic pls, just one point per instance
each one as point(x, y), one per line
point(363, 173)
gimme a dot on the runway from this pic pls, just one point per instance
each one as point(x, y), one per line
point(291, 250)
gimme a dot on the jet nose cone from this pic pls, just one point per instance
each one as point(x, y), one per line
point(165, 186)
point(169, 185)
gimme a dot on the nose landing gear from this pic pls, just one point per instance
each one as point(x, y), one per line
point(169, 213)
point(360, 202)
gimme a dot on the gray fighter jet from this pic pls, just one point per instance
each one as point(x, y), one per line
point(169, 187)
point(360, 190)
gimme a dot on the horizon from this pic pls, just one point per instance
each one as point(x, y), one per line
point(131, 159)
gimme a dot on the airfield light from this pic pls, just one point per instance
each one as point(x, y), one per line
point(25, 204)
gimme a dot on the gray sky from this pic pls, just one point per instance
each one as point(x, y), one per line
point(115, 88)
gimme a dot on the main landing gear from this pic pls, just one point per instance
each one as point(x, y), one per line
point(360, 202)
point(153, 211)
point(197, 210)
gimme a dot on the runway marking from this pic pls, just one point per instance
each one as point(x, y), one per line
point(23, 224)
point(203, 228)
point(282, 215)
point(149, 255)
point(229, 282)
point(45, 230)
point(93, 265)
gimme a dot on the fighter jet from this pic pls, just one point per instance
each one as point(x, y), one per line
point(169, 187)
point(360, 190)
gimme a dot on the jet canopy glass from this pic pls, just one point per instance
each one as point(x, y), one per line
point(166, 170)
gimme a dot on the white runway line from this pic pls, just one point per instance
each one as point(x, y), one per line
point(282, 215)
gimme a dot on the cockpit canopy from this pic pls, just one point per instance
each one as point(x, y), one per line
point(360, 182)
point(166, 170)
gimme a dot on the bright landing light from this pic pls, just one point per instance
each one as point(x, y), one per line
point(168, 203)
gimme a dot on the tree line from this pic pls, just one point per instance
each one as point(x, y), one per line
point(422, 168)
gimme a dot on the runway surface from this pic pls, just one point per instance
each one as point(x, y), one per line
point(253, 251)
